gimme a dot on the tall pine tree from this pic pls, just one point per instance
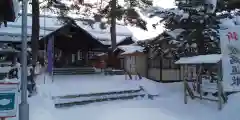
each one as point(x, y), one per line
point(192, 28)
point(102, 10)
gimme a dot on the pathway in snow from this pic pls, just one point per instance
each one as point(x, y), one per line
point(169, 106)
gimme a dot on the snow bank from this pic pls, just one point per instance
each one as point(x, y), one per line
point(168, 106)
point(229, 111)
point(87, 84)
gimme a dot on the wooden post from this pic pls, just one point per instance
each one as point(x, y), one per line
point(53, 61)
point(135, 67)
point(185, 83)
point(199, 81)
point(219, 87)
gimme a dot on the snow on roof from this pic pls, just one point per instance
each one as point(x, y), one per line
point(8, 38)
point(122, 31)
point(200, 59)
point(140, 34)
point(50, 23)
point(104, 35)
point(18, 31)
point(130, 49)
point(13, 34)
point(13, 31)
point(101, 54)
point(9, 49)
point(106, 39)
point(166, 4)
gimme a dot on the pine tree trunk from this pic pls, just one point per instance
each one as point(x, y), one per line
point(101, 4)
point(200, 41)
point(35, 32)
point(113, 24)
point(113, 33)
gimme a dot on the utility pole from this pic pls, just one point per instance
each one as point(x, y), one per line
point(24, 106)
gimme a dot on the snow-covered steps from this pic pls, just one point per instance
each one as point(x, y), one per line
point(99, 94)
point(74, 71)
point(114, 72)
point(82, 99)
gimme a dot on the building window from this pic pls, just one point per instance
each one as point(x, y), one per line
point(90, 54)
point(80, 55)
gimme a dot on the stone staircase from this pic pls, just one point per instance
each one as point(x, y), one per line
point(74, 71)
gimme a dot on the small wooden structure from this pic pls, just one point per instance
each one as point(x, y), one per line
point(201, 85)
point(133, 69)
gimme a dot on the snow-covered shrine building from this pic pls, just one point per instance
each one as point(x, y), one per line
point(75, 44)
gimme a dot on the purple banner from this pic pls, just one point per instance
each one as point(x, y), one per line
point(50, 55)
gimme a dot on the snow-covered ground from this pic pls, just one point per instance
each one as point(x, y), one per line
point(168, 106)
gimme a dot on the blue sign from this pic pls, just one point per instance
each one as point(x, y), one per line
point(7, 101)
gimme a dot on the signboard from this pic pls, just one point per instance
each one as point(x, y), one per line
point(230, 42)
point(208, 85)
point(8, 99)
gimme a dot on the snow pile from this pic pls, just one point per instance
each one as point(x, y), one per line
point(231, 21)
point(168, 106)
point(87, 86)
point(230, 109)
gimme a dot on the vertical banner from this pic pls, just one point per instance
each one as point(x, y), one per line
point(50, 54)
point(230, 48)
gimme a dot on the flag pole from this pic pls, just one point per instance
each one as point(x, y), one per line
point(24, 106)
